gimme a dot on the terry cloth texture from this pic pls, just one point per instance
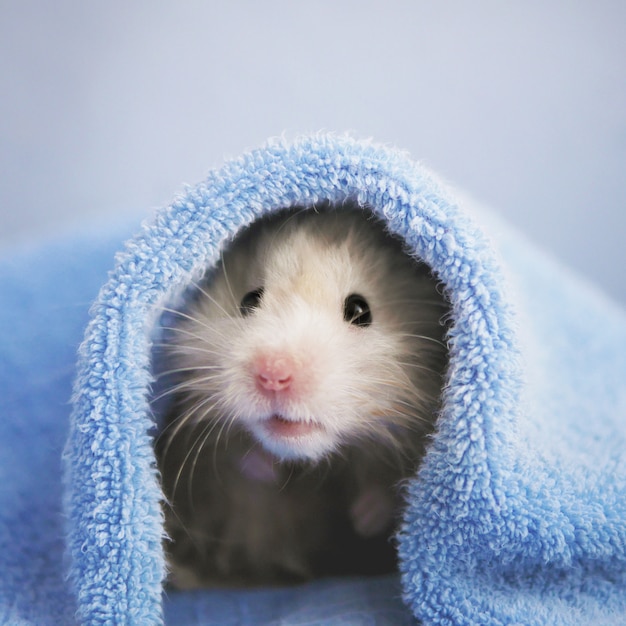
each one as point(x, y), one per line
point(517, 515)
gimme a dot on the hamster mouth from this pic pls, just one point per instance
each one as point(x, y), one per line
point(292, 439)
point(280, 426)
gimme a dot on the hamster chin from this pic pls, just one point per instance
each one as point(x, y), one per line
point(293, 439)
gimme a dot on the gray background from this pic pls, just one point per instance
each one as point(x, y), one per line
point(108, 108)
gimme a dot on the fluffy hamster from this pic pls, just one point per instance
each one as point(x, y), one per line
point(305, 373)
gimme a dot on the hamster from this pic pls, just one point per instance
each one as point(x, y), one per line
point(305, 374)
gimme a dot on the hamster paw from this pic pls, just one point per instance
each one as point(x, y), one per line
point(372, 512)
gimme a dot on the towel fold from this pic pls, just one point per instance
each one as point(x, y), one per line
point(517, 514)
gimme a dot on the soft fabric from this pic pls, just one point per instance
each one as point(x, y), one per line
point(518, 512)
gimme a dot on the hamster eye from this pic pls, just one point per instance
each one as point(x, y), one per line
point(357, 311)
point(250, 301)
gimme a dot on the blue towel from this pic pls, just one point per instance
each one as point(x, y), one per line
point(516, 516)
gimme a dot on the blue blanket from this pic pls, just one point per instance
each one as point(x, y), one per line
point(517, 514)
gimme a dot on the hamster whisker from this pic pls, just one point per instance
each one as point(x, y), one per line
point(183, 330)
point(188, 416)
point(420, 366)
point(209, 426)
point(423, 338)
point(189, 368)
point(195, 383)
point(196, 320)
point(227, 279)
point(206, 433)
point(196, 285)
point(232, 422)
point(210, 298)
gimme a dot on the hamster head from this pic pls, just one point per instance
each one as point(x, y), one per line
point(315, 332)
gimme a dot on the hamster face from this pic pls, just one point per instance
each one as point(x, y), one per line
point(316, 332)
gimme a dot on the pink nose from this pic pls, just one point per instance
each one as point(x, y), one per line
point(274, 372)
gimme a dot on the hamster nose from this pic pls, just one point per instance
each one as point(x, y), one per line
point(274, 372)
